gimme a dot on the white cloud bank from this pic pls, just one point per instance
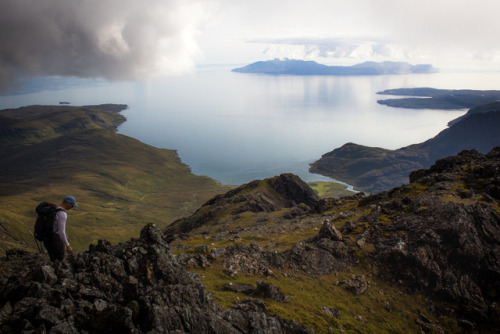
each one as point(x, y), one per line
point(336, 48)
point(114, 39)
point(131, 39)
point(447, 33)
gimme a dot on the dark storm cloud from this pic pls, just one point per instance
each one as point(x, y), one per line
point(114, 39)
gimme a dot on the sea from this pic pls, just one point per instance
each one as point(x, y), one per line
point(237, 127)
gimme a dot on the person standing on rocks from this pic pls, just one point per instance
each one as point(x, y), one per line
point(58, 241)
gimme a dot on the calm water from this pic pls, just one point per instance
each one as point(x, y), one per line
point(239, 127)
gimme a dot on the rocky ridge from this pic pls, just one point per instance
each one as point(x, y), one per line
point(436, 240)
point(284, 192)
point(134, 287)
point(439, 236)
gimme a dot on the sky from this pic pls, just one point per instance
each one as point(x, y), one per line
point(129, 39)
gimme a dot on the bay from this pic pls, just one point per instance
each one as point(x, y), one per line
point(239, 127)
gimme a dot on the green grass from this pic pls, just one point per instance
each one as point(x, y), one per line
point(330, 189)
point(308, 295)
point(120, 183)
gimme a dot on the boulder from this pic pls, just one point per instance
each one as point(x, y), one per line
point(267, 290)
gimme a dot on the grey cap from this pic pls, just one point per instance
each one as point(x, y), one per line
point(71, 200)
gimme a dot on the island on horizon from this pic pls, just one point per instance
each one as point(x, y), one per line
point(309, 67)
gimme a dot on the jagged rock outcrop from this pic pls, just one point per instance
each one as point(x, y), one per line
point(269, 195)
point(439, 236)
point(444, 239)
point(133, 287)
point(320, 255)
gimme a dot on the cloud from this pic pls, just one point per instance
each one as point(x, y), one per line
point(114, 39)
point(337, 48)
point(447, 33)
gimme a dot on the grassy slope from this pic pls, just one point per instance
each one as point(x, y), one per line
point(330, 189)
point(119, 182)
point(383, 308)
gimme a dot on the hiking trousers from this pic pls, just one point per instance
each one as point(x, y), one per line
point(55, 248)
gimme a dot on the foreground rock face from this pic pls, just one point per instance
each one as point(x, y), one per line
point(134, 287)
point(451, 248)
point(439, 236)
point(445, 238)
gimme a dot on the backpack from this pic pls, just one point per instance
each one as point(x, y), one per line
point(44, 225)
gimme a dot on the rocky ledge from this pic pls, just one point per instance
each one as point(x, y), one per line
point(134, 287)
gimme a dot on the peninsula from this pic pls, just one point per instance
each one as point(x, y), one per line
point(431, 98)
point(374, 169)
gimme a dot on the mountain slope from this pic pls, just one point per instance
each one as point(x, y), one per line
point(284, 195)
point(34, 124)
point(420, 258)
point(376, 169)
point(119, 182)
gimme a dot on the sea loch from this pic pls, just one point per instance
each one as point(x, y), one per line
point(238, 127)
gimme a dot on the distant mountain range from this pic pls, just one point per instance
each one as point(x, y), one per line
point(375, 169)
point(302, 67)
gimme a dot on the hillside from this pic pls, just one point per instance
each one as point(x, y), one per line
point(373, 169)
point(302, 67)
point(48, 152)
point(431, 98)
point(270, 257)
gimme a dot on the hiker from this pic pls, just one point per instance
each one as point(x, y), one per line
point(57, 243)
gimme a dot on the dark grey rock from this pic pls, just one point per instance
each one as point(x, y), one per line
point(133, 287)
point(328, 231)
point(247, 289)
point(267, 290)
point(357, 284)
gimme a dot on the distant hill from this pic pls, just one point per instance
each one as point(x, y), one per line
point(374, 169)
point(47, 152)
point(302, 67)
point(431, 98)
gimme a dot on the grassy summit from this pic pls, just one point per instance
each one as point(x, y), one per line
point(120, 183)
